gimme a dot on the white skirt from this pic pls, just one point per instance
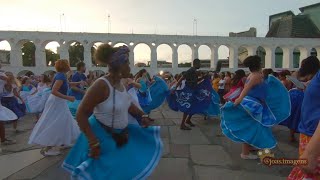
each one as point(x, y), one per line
point(6, 114)
point(56, 125)
point(133, 93)
point(36, 102)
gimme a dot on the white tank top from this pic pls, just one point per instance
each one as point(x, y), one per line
point(103, 111)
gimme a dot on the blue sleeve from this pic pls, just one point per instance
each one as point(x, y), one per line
point(83, 77)
point(60, 76)
point(76, 77)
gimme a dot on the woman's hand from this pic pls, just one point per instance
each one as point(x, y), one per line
point(145, 122)
point(312, 162)
point(71, 98)
point(237, 101)
point(95, 151)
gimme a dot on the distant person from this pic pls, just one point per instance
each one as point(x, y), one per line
point(215, 82)
point(221, 88)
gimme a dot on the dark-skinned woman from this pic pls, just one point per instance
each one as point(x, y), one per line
point(109, 146)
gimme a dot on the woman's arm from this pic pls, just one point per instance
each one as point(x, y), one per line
point(90, 100)
point(136, 112)
point(254, 80)
point(55, 91)
point(15, 92)
point(312, 152)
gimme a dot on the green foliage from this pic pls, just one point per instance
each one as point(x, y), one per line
point(76, 54)
point(28, 54)
point(51, 56)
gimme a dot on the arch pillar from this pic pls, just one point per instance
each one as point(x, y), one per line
point(270, 57)
point(63, 51)
point(87, 59)
point(40, 55)
point(214, 56)
point(175, 58)
point(154, 58)
point(195, 53)
point(318, 52)
point(233, 57)
point(287, 57)
point(304, 53)
point(131, 58)
point(16, 56)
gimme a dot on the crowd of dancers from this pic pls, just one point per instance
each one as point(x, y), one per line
point(105, 119)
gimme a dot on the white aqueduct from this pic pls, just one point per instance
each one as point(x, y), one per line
point(40, 39)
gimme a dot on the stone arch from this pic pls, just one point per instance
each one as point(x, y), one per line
point(315, 52)
point(142, 55)
point(25, 73)
point(278, 57)
point(94, 47)
point(223, 52)
point(184, 55)
point(296, 55)
point(243, 53)
point(51, 49)
point(98, 73)
point(204, 53)
point(28, 52)
point(118, 44)
point(76, 52)
point(261, 52)
point(164, 56)
point(47, 73)
point(5, 51)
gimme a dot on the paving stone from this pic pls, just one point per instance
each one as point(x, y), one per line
point(164, 132)
point(172, 169)
point(163, 122)
point(16, 161)
point(194, 136)
point(210, 173)
point(156, 115)
point(166, 149)
point(287, 148)
point(171, 114)
point(179, 150)
point(55, 172)
point(209, 155)
point(36, 169)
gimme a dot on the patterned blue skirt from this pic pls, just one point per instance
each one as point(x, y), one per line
point(296, 97)
point(135, 160)
point(251, 121)
point(12, 104)
point(200, 100)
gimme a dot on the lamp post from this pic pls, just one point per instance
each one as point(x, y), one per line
point(195, 27)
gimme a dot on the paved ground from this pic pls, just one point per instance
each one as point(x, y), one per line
point(201, 154)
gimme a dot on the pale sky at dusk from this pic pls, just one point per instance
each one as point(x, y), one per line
point(215, 17)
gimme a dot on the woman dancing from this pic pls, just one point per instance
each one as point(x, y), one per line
point(56, 126)
point(310, 117)
point(5, 113)
point(144, 92)
point(249, 118)
point(112, 143)
point(9, 100)
point(237, 85)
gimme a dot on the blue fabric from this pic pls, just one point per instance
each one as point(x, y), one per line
point(158, 91)
point(144, 86)
point(193, 100)
point(26, 88)
point(135, 160)
point(292, 122)
point(73, 107)
point(250, 121)
point(214, 107)
point(310, 110)
point(259, 91)
point(77, 77)
point(64, 87)
point(12, 104)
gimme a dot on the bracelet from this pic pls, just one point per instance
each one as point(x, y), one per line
point(95, 145)
point(145, 116)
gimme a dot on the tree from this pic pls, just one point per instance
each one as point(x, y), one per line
point(76, 53)
point(28, 54)
point(51, 56)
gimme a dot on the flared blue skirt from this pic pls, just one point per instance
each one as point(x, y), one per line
point(292, 122)
point(158, 91)
point(12, 104)
point(198, 100)
point(73, 107)
point(135, 160)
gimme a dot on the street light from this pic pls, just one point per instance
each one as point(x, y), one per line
point(195, 27)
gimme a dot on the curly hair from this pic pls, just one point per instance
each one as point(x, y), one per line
point(253, 63)
point(62, 65)
point(104, 53)
point(310, 65)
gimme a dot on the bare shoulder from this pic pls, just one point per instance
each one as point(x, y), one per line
point(99, 87)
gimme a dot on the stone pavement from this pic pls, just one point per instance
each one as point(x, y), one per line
point(201, 154)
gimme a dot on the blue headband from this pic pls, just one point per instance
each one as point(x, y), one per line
point(120, 57)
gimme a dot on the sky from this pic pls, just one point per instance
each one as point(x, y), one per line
point(214, 17)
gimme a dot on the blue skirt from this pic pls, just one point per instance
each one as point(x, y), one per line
point(158, 91)
point(135, 160)
point(251, 121)
point(296, 97)
point(12, 104)
point(198, 100)
point(73, 107)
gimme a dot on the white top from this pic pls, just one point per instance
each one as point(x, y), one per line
point(182, 85)
point(222, 83)
point(103, 111)
point(9, 94)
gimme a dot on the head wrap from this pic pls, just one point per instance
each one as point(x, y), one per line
point(120, 57)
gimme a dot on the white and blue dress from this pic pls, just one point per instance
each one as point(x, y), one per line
point(134, 160)
point(56, 126)
point(267, 104)
point(35, 103)
point(9, 101)
point(5, 113)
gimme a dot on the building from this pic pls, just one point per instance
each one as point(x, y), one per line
point(4, 57)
